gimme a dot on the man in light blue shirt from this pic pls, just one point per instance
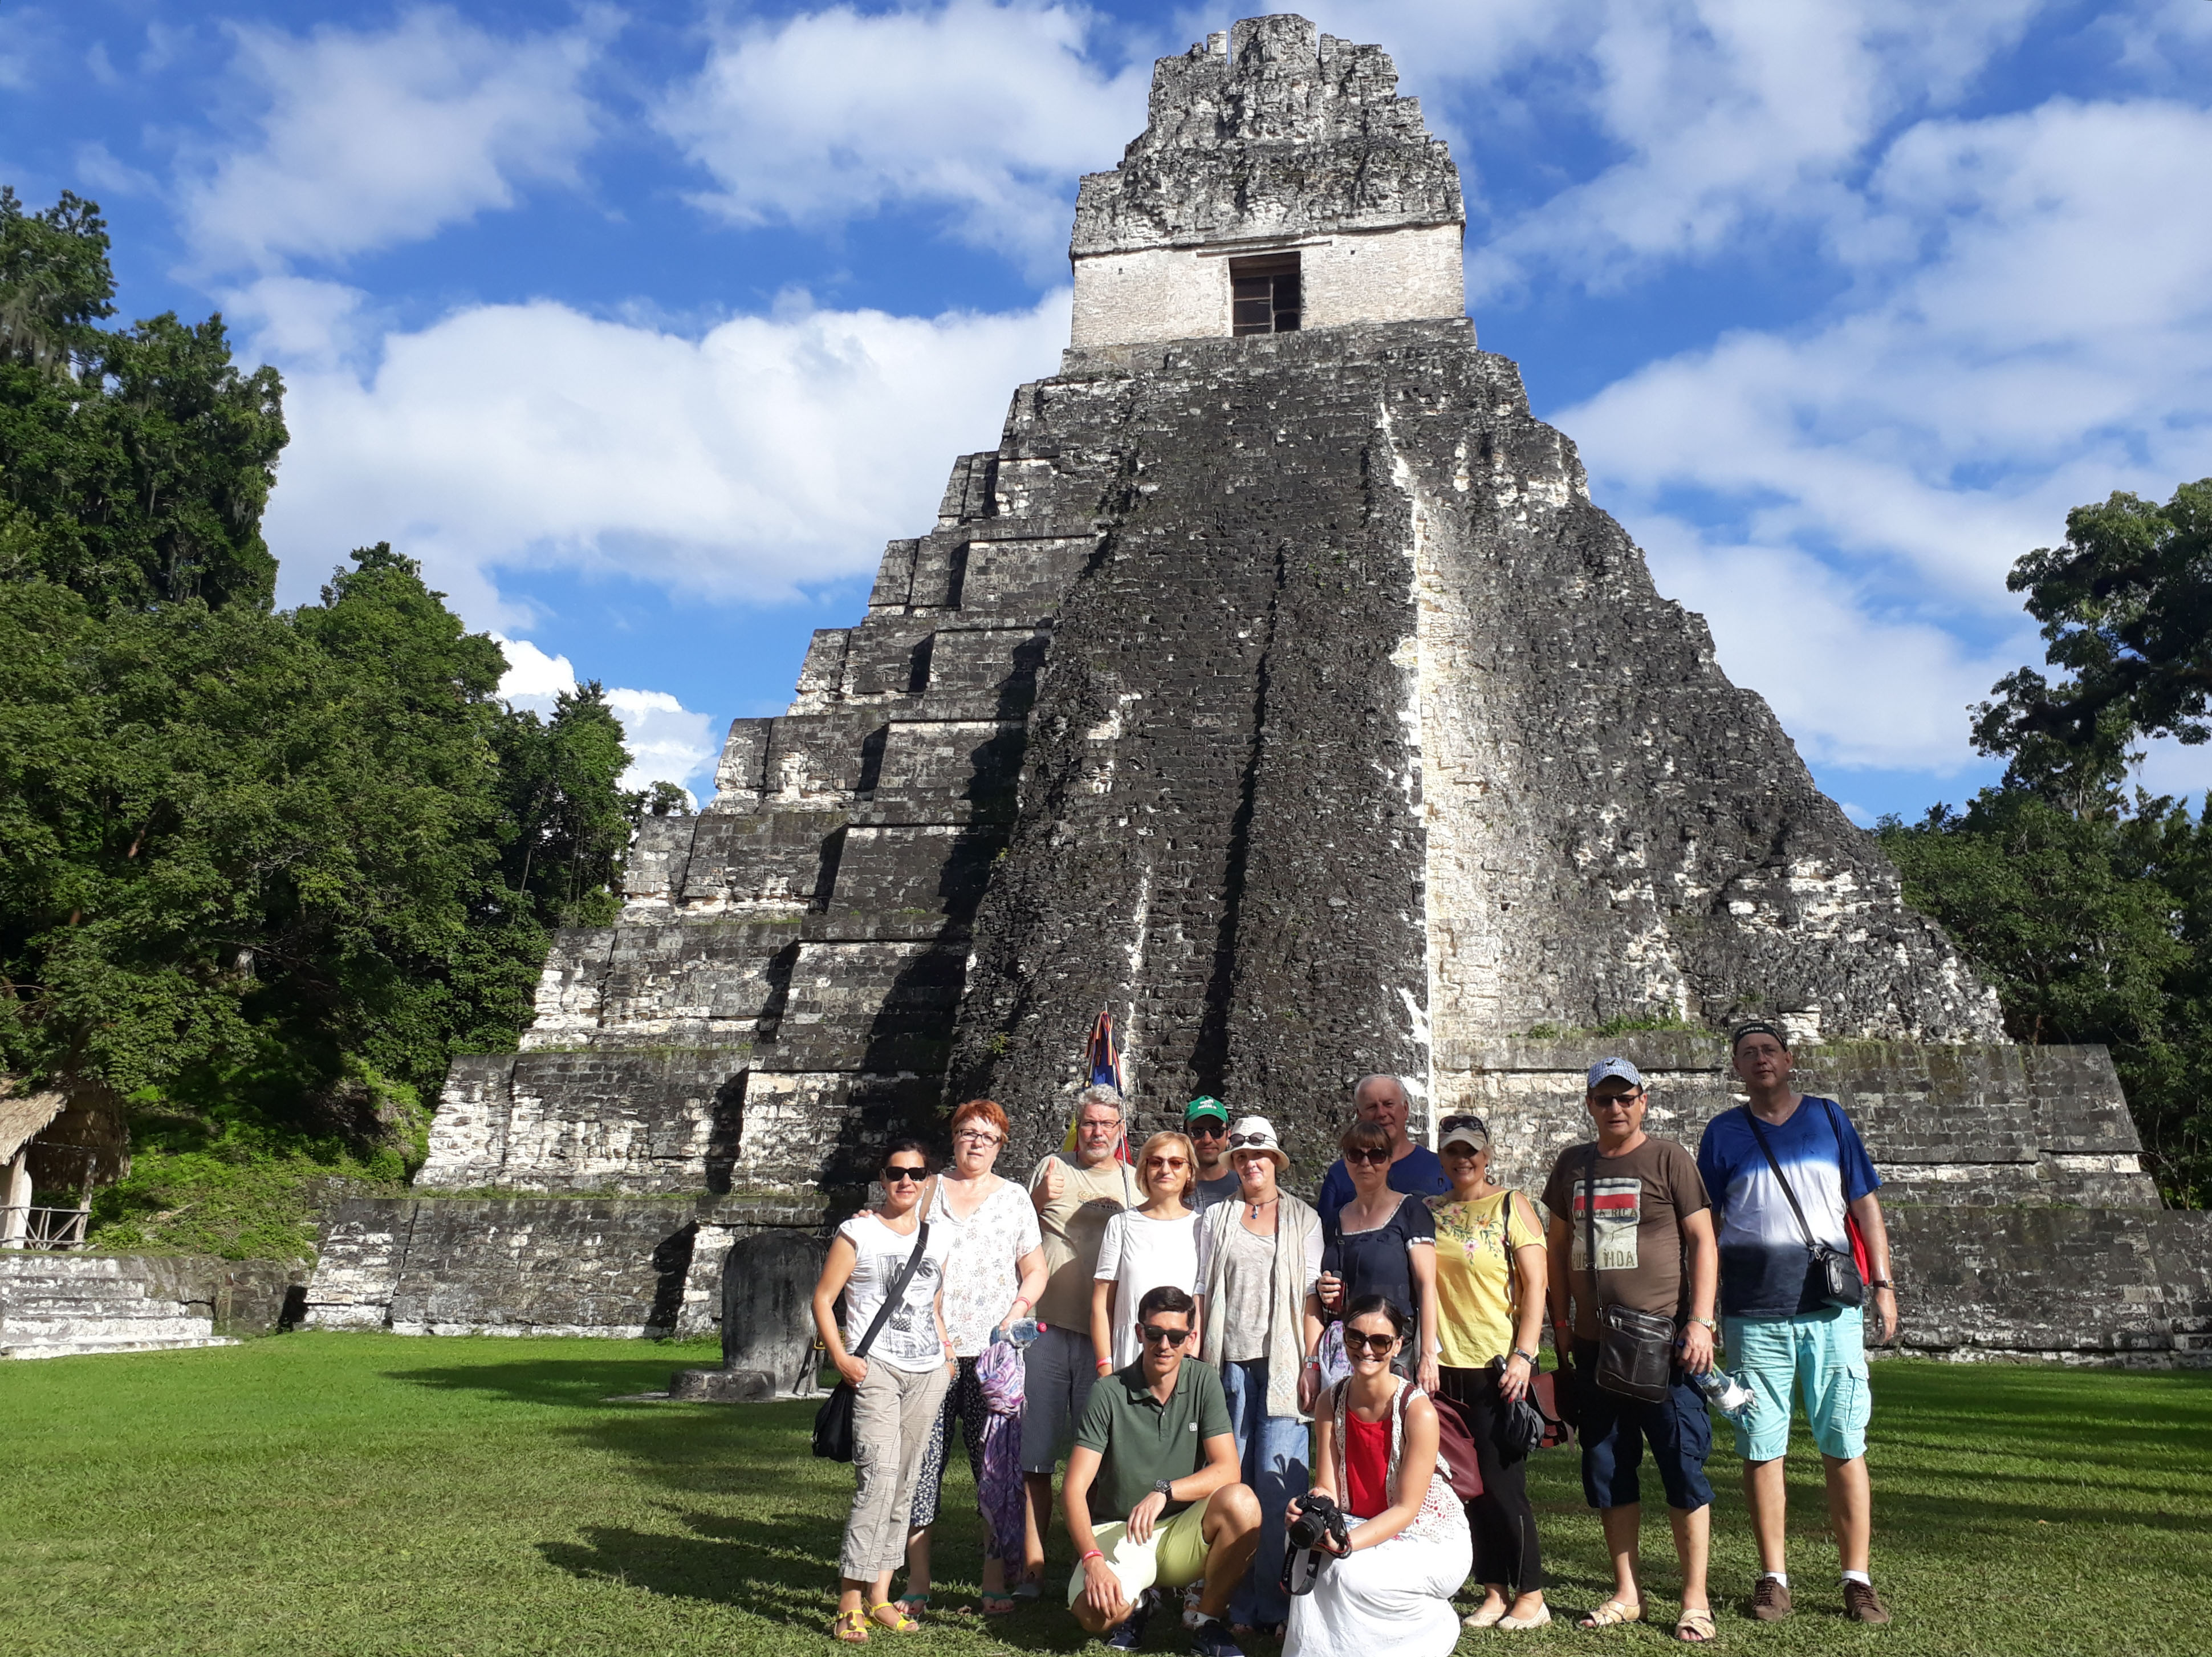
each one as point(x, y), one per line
point(1788, 1178)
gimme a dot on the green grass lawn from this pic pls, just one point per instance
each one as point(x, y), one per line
point(328, 1493)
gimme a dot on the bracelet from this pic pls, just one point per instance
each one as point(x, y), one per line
point(1105, 1366)
point(1884, 1283)
point(1530, 1357)
point(1094, 1553)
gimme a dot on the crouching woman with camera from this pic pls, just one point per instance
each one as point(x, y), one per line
point(1388, 1560)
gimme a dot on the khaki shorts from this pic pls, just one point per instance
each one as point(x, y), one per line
point(1175, 1557)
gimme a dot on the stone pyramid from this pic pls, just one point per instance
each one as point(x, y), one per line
point(1276, 686)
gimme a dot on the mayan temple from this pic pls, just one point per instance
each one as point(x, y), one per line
point(1276, 686)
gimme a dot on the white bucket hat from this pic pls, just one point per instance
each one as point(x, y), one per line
point(1256, 1133)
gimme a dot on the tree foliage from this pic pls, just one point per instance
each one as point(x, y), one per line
point(2126, 608)
point(142, 456)
point(263, 873)
point(2087, 908)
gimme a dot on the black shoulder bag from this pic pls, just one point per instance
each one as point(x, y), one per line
point(833, 1421)
point(1635, 1349)
point(1840, 1283)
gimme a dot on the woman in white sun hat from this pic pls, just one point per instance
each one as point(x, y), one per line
point(1259, 1261)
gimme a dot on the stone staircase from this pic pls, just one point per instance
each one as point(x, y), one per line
point(60, 1306)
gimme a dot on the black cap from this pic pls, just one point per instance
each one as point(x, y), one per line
point(1756, 1027)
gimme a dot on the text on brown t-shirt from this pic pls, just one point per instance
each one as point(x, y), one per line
point(1642, 1199)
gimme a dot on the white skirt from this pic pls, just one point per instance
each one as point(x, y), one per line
point(1393, 1599)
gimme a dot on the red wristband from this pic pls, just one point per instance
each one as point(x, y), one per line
point(1094, 1554)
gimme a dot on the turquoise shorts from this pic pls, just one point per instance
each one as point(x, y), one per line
point(1823, 1354)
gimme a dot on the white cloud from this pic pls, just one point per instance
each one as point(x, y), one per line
point(373, 138)
point(773, 453)
point(1853, 682)
point(667, 742)
point(987, 111)
point(2052, 342)
point(533, 679)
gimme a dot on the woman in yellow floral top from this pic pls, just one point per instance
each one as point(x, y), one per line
point(1490, 1315)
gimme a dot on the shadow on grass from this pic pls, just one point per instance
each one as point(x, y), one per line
point(781, 1566)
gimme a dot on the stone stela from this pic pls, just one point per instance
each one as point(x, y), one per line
point(1275, 685)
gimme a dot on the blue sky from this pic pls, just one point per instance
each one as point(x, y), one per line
point(645, 327)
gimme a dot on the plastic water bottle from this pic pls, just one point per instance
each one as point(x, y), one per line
point(1727, 1394)
point(1022, 1332)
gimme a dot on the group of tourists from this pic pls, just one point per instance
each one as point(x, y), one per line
point(1312, 1420)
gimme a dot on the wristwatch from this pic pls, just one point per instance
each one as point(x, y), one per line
point(1527, 1357)
point(1708, 1323)
point(1164, 1489)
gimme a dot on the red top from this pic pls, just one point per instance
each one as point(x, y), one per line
point(1366, 1464)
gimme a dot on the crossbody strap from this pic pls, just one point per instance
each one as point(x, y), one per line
point(897, 1291)
point(1759, 1134)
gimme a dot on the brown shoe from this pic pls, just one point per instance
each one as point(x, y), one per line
point(1770, 1600)
point(1863, 1604)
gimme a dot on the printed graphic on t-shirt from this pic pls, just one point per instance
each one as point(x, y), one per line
point(1619, 1213)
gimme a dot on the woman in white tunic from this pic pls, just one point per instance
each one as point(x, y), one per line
point(1375, 1457)
point(1144, 1247)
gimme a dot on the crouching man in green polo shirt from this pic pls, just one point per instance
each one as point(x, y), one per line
point(1155, 1445)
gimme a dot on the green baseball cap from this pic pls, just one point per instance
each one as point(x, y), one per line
point(1206, 1104)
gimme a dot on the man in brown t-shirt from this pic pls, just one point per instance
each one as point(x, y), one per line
point(1656, 1252)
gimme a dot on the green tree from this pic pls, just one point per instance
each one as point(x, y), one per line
point(142, 455)
point(258, 847)
point(572, 823)
point(2126, 608)
point(2090, 909)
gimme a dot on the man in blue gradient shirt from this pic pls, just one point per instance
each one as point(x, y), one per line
point(1783, 1330)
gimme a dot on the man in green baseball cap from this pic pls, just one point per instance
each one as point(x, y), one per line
point(1205, 1120)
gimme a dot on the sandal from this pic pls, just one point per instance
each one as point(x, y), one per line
point(1695, 1627)
point(1611, 1614)
point(913, 1603)
point(850, 1626)
point(998, 1604)
point(900, 1623)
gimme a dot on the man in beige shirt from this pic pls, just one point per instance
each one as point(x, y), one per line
point(1075, 1196)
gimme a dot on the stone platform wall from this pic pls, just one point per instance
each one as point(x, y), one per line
point(624, 1267)
point(1978, 1123)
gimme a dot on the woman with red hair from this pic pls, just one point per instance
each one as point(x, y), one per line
point(993, 1273)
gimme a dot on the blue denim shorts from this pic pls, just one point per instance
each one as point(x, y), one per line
point(1678, 1429)
point(1821, 1354)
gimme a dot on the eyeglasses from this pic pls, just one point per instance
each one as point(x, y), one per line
point(1372, 1158)
point(1094, 1125)
point(902, 1176)
point(977, 1136)
point(1256, 1140)
point(1155, 1335)
point(1624, 1099)
point(1378, 1345)
point(1165, 1162)
point(1205, 1129)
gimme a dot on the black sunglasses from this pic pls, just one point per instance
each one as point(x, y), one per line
point(1155, 1335)
point(1474, 1122)
point(1264, 1142)
point(1372, 1158)
point(1205, 1129)
point(899, 1176)
point(1378, 1345)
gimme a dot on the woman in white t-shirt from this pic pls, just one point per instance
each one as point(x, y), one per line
point(993, 1276)
point(1144, 1247)
point(897, 1387)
